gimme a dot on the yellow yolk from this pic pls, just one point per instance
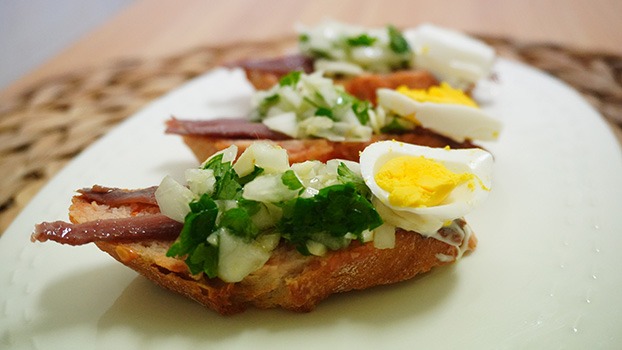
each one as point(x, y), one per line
point(418, 181)
point(438, 94)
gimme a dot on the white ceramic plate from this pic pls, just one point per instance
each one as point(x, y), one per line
point(546, 273)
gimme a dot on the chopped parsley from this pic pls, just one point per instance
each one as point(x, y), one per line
point(397, 42)
point(336, 210)
point(361, 40)
point(192, 241)
point(290, 79)
point(201, 222)
point(333, 216)
point(361, 110)
point(320, 53)
point(342, 43)
point(303, 38)
point(250, 177)
point(239, 223)
point(311, 95)
point(267, 103)
point(346, 175)
point(227, 181)
point(394, 127)
point(290, 180)
point(324, 112)
point(204, 258)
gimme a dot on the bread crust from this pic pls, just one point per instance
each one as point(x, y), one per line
point(300, 150)
point(264, 74)
point(288, 280)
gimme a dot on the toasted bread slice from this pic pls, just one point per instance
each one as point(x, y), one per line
point(300, 150)
point(263, 74)
point(288, 280)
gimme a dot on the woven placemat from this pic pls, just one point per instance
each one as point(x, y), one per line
point(47, 125)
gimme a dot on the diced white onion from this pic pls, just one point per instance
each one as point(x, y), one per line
point(337, 67)
point(294, 112)
point(268, 188)
point(269, 241)
point(285, 123)
point(331, 39)
point(200, 181)
point(320, 127)
point(368, 54)
point(267, 216)
point(228, 154)
point(213, 239)
point(316, 248)
point(384, 237)
point(237, 258)
point(173, 199)
point(305, 169)
point(271, 158)
point(368, 236)
point(292, 97)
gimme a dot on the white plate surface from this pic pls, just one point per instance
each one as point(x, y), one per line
point(546, 273)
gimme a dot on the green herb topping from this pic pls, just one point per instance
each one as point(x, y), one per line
point(397, 42)
point(335, 211)
point(342, 49)
point(312, 106)
point(332, 214)
point(361, 40)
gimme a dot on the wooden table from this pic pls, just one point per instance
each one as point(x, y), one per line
point(146, 33)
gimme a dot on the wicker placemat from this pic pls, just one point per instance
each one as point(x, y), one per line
point(46, 126)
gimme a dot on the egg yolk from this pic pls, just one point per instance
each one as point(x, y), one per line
point(438, 94)
point(418, 181)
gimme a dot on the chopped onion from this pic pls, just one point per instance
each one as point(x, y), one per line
point(285, 123)
point(173, 199)
point(337, 67)
point(237, 258)
point(200, 181)
point(292, 97)
point(384, 237)
point(316, 248)
point(267, 216)
point(271, 158)
point(228, 154)
point(269, 241)
point(268, 188)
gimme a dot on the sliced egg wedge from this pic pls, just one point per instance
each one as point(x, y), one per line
point(450, 55)
point(457, 121)
point(472, 168)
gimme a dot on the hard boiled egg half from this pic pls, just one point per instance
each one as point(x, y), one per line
point(450, 55)
point(422, 189)
point(443, 109)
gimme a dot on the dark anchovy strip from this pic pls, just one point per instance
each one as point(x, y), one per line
point(136, 228)
point(117, 197)
point(455, 233)
point(227, 128)
point(280, 65)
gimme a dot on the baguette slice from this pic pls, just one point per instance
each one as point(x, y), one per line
point(264, 73)
point(300, 150)
point(288, 280)
point(204, 141)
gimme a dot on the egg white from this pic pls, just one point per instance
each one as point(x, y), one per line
point(452, 56)
point(457, 121)
point(428, 220)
